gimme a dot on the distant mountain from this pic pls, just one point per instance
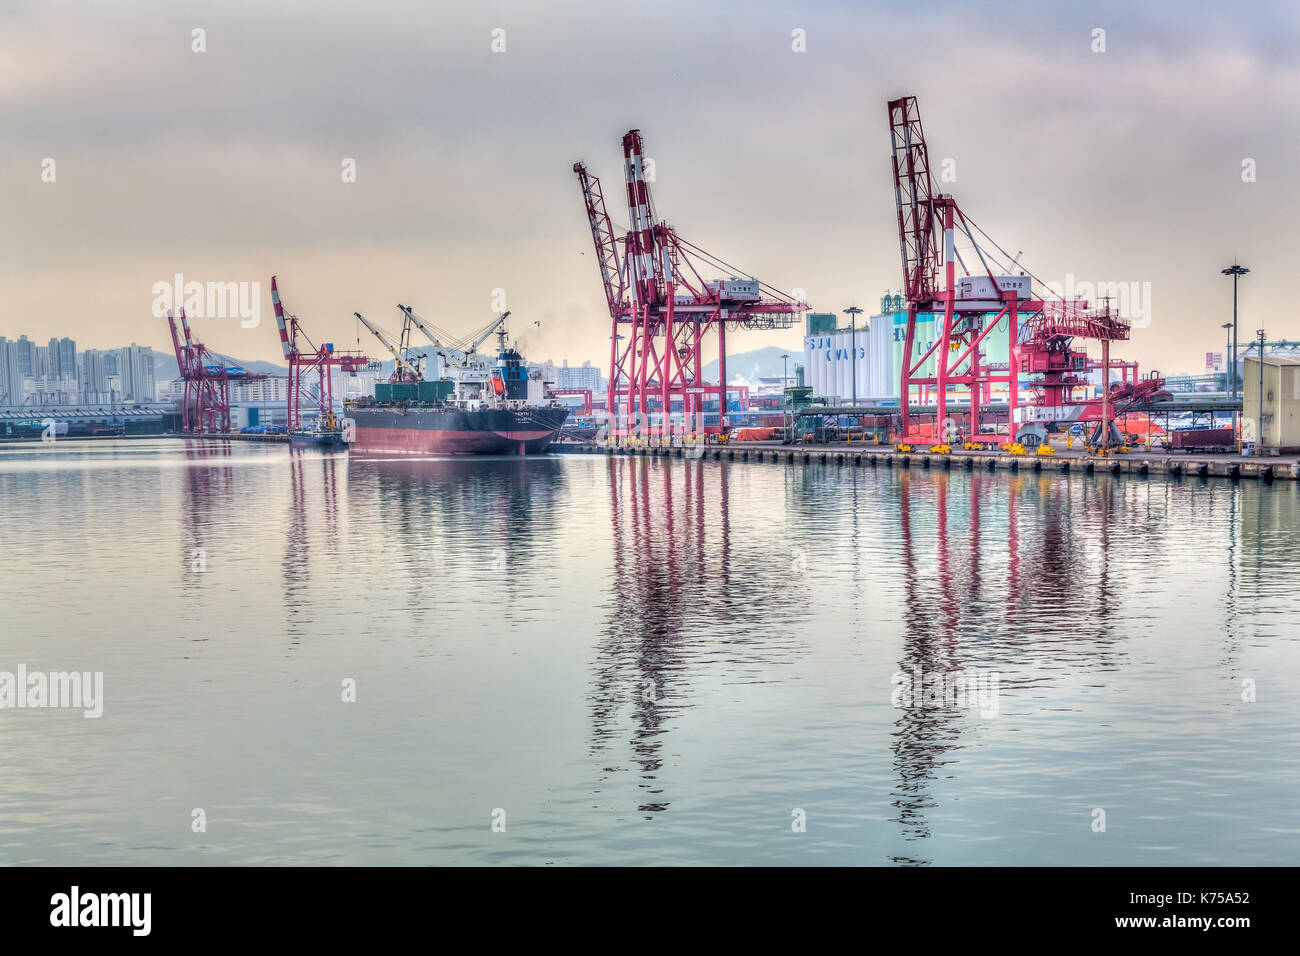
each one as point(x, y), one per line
point(755, 364)
point(165, 368)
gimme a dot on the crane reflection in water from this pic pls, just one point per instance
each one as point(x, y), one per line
point(982, 595)
point(670, 544)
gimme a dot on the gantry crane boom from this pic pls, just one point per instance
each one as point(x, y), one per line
point(602, 234)
point(182, 351)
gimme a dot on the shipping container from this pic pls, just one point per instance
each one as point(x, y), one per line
point(1203, 439)
point(436, 391)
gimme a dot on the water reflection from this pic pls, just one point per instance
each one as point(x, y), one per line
point(209, 488)
point(923, 736)
point(670, 544)
point(993, 596)
point(1122, 614)
point(310, 521)
point(491, 522)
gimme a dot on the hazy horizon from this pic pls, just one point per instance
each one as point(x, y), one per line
point(225, 166)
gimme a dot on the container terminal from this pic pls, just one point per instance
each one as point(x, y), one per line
point(974, 356)
point(986, 356)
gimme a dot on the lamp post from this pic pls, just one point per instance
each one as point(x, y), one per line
point(853, 312)
point(1227, 347)
point(785, 395)
point(1259, 424)
point(1236, 271)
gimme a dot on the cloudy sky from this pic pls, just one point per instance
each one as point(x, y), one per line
point(1117, 166)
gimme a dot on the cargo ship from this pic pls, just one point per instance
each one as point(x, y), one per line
point(476, 410)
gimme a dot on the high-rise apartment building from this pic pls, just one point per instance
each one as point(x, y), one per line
point(135, 368)
point(14, 379)
point(63, 358)
point(95, 375)
point(584, 376)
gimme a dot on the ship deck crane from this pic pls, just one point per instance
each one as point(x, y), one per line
point(404, 365)
point(445, 343)
point(496, 324)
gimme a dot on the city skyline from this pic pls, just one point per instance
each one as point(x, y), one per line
point(58, 374)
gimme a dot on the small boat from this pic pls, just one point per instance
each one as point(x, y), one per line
point(316, 437)
point(325, 433)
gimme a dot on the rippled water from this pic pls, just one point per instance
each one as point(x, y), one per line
point(640, 661)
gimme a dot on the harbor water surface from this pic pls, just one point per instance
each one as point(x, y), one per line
point(592, 660)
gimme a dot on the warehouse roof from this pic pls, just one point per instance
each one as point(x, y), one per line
point(1276, 359)
point(66, 413)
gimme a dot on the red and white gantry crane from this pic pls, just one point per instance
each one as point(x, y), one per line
point(657, 334)
point(304, 363)
point(1042, 327)
point(205, 382)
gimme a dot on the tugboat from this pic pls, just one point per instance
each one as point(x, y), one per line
point(475, 409)
point(325, 433)
point(581, 428)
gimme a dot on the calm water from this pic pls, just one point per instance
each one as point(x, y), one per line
point(640, 661)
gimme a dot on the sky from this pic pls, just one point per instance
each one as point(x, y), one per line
point(1122, 165)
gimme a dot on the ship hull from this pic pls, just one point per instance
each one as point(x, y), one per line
point(449, 431)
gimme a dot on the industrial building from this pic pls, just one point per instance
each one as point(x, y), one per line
point(830, 364)
point(80, 421)
point(1276, 421)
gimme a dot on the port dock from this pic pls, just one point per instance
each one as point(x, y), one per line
point(1063, 462)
